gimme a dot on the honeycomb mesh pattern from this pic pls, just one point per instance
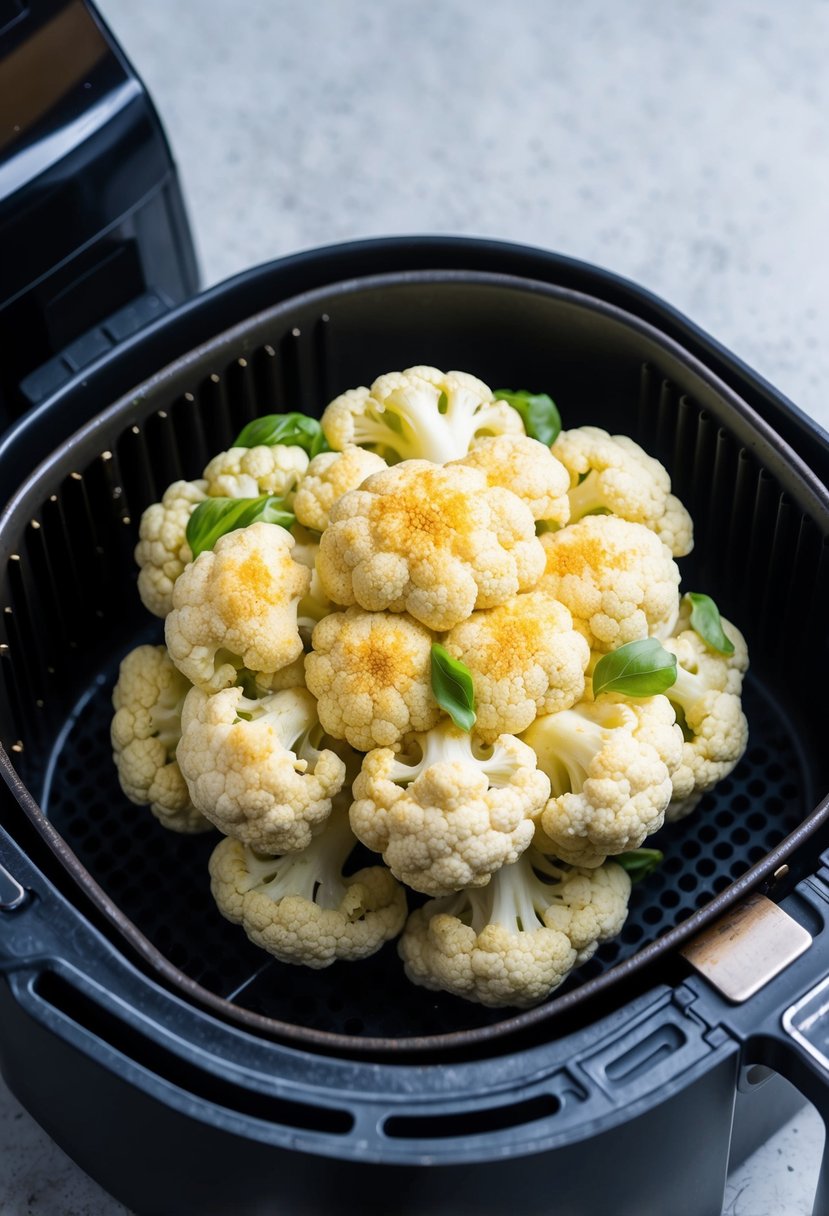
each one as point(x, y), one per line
point(159, 880)
point(767, 560)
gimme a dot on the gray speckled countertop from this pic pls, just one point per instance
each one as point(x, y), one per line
point(684, 146)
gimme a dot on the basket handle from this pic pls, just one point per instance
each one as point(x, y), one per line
point(780, 1015)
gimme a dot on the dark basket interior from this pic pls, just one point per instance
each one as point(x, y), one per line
point(70, 609)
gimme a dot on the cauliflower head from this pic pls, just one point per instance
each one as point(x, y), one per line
point(516, 940)
point(251, 472)
point(706, 698)
point(617, 578)
point(529, 469)
point(418, 414)
point(300, 907)
point(431, 541)
point(145, 731)
point(162, 551)
point(448, 813)
point(610, 764)
point(371, 675)
point(329, 476)
point(525, 658)
point(612, 473)
point(236, 607)
point(253, 769)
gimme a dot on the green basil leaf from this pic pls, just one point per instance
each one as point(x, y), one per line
point(539, 413)
point(216, 516)
point(297, 430)
point(639, 863)
point(452, 686)
point(706, 621)
point(638, 669)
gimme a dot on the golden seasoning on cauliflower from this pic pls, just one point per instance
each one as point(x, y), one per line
point(371, 675)
point(612, 473)
point(145, 731)
point(525, 658)
point(617, 578)
point(253, 769)
point(300, 907)
point(448, 812)
point(432, 622)
point(236, 607)
point(434, 542)
point(418, 414)
point(706, 697)
point(162, 551)
point(251, 472)
point(529, 469)
point(329, 476)
point(610, 764)
point(516, 940)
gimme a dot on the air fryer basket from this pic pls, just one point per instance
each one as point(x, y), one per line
point(71, 611)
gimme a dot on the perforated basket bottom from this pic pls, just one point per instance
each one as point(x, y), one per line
point(159, 881)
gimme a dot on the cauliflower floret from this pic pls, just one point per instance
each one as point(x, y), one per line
point(448, 813)
point(236, 606)
point(329, 476)
point(516, 940)
point(147, 700)
point(525, 659)
point(725, 671)
point(300, 907)
point(529, 469)
point(162, 551)
point(253, 769)
point(610, 764)
point(251, 472)
point(431, 541)
point(612, 473)
point(418, 414)
point(706, 697)
point(617, 578)
point(371, 674)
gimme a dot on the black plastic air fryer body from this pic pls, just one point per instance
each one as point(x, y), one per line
point(241, 1090)
point(94, 242)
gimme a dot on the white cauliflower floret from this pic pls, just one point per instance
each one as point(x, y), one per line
point(450, 812)
point(529, 469)
point(251, 472)
point(434, 542)
point(724, 671)
point(371, 675)
point(418, 414)
point(236, 607)
point(617, 578)
point(612, 473)
point(329, 476)
point(525, 659)
point(706, 697)
point(610, 764)
point(145, 731)
point(516, 940)
point(300, 907)
point(253, 769)
point(162, 551)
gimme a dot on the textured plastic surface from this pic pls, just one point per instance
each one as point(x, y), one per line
point(200, 319)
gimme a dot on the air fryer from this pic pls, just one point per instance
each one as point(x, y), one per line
point(183, 1069)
